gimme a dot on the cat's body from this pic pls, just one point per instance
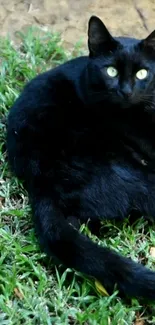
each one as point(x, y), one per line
point(79, 149)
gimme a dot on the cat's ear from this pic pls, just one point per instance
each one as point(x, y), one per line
point(99, 38)
point(149, 41)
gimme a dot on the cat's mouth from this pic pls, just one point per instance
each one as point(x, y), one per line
point(133, 100)
point(125, 102)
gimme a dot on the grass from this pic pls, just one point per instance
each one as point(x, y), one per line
point(32, 289)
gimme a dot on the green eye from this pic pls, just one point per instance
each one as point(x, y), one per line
point(112, 72)
point(141, 74)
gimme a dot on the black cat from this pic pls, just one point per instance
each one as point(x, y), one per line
point(81, 137)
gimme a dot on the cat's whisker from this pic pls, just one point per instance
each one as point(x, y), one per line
point(147, 99)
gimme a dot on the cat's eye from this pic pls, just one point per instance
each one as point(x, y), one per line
point(112, 72)
point(141, 74)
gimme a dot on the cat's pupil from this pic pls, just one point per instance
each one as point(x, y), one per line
point(141, 74)
point(112, 72)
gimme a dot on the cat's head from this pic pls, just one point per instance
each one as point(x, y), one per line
point(121, 70)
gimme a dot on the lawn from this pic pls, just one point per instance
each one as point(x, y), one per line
point(32, 289)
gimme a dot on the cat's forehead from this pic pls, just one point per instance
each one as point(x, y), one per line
point(127, 43)
point(129, 51)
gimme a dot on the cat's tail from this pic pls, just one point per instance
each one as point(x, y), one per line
point(75, 250)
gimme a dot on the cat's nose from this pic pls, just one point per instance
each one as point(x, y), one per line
point(126, 92)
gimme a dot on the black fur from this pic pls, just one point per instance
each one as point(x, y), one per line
point(79, 139)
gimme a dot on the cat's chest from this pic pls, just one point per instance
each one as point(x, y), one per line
point(107, 136)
